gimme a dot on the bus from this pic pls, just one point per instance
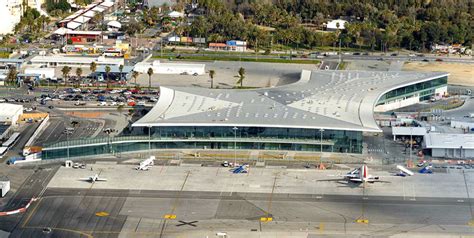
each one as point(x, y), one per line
point(3, 151)
point(12, 140)
point(113, 53)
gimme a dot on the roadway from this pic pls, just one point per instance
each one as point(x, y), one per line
point(375, 56)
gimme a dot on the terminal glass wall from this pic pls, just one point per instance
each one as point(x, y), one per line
point(344, 141)
point(216, 138)
point(425, 90)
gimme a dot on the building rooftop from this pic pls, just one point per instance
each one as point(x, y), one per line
point(449, 141)
point(8, 109)
point(76, 60)
point(340, 100)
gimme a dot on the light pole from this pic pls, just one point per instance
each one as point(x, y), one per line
point(235, 144)
point(108, 131)
point(321, 133)
point(68, 131)
point(411, 142)
point(149, 141)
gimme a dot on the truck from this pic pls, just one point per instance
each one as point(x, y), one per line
point(28, 150)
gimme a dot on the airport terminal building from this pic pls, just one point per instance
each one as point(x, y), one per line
point(323, 111)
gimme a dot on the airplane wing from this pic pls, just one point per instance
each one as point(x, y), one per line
point(101, 179)
point(85, 179)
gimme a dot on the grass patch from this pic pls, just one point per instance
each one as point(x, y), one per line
point(4, 54)
point(233, 58)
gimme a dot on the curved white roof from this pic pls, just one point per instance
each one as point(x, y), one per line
point(114, 24)
point(339, 100)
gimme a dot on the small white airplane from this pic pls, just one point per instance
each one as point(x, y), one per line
point(146, 164)
point(93, 179)
point(358, 176)
point(361, 175)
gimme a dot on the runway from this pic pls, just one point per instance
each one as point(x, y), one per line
point(139, 213)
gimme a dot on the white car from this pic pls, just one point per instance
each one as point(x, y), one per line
point(102, 104)
point(113, 104)
point(141, 103)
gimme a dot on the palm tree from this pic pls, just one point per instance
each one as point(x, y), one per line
point(150, 73)
point(212, 73)
point(121, 70)
point(93, 68)
point(135, 75)
point(79, 75)
point(241, 76)
point(65, 70)
point(107, 71)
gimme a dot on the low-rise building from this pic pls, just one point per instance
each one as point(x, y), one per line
point(60, 61)
point(453, 146)
point(170, 68)
point(334, 25)
point(9, 113)
point(236, 45)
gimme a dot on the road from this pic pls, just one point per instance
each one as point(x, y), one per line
point(452, 59)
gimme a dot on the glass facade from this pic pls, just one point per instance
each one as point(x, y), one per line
point(425, 90)
point(217, 138)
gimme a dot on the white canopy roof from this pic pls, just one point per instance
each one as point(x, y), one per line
point(115, 24)
point(73, 25)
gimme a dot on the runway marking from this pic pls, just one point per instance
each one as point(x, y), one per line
point(102, 214)
point(31, 213)
point(460, 200)
point(183, 223)
point(268, 217)
point(63, 229)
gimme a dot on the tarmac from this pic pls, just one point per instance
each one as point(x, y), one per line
point(210, 200)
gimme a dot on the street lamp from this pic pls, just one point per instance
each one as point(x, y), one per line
point(321, 133)
point(68, 131)
point(235, 144)
point(108, 131)
point(149, 141)
point(411, 142)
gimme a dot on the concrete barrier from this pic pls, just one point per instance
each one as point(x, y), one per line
point(38, 131)
point(19, 210)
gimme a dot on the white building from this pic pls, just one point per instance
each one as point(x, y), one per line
point(9, 113)
point(336, 25)
point(10, 10)
point(455, 146)
point(60, 61)
point(170, 68)
point(4, 186)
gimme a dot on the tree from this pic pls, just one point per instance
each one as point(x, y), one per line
point(121, 70)
point(107, 71)
point(93, 68)
point(65, 71)
point(135, 75)
point(212, 73)
point(241, 76)
point(79, 75)
point(150, 73)
point(11, 76)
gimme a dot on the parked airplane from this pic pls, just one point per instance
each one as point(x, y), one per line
point(360, 175)
point(403, 171)
point(240, 169)
point(93, 179)
point(146, 164)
